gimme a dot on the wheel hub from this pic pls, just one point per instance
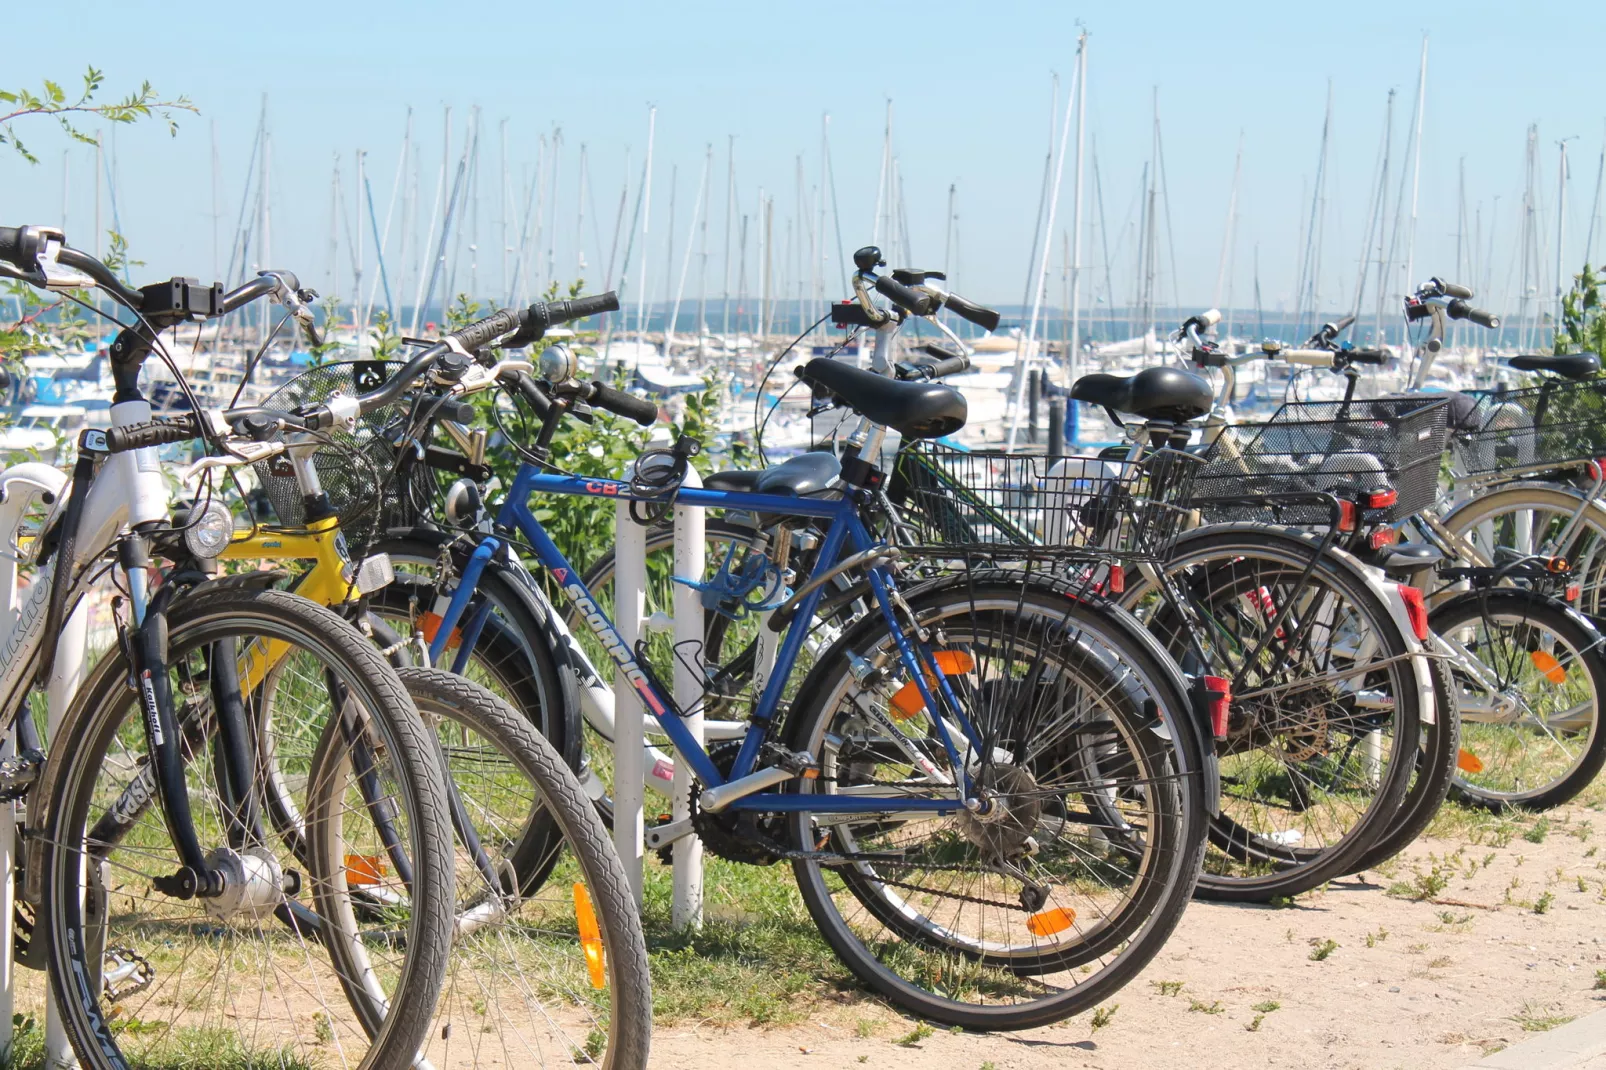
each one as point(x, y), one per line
point(253, 883)
point(1011, 807)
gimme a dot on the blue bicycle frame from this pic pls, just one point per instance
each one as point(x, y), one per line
point(846, 531)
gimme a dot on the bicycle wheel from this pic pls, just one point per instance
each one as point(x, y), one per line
point(550, 966)
point(1092, 845)
point(1326, 711)
point(1530, 676)
point(287, 967)
point(1532, 518)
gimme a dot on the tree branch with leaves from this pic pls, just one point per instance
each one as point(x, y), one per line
point(53, 102)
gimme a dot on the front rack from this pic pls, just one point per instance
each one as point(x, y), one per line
point(1001, 505)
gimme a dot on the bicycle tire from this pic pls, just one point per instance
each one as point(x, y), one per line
point(392, 1024)
point(1172, 769)
point(563, 807)
point(1570, 627)
point(1280, 864)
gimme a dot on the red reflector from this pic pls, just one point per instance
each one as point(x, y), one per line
point(1382, 537)
point(1416, 608)
point(1572, 592)
point(1346, 516)
point(1220, 691)
point(1117, 579)
point(1382, 499)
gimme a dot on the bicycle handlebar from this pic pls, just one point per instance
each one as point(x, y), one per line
point(906, 298)
point(153, 433)
point(980, 315)
point(1459, 309)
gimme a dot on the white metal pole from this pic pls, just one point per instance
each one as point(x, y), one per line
point(1073, 360)
point(687, 906)
point(629, 754)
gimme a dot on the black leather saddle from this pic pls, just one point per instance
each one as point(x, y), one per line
point(913, 409)
point(1568, 365)
point(807, 473)
point(1169, 394)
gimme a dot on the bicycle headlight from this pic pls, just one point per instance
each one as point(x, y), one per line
point(208, 532)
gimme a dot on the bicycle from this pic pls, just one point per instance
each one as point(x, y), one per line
point(562, 960)
point(896, 821)
point(146, 800)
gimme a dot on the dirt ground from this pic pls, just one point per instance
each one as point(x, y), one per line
point(1472, 941)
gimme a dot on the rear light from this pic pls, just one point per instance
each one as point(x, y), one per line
point(1416, 608)
point(1382, 499)
point(1573, 590)
point(1382, 537)
point(1218, 699)
point(1347, 514)
point(1117, 579)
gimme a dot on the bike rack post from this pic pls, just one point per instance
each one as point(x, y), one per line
point(690, 549)
point(629, 744)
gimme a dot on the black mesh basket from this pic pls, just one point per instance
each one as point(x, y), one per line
point(357, 469)
point(1327, 447)
point(1006, 505)
point(1556, 423)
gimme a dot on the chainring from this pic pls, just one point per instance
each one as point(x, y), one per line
point(738, 835)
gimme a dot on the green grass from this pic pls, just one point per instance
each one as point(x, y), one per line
point(1540, 1018)
point(1320, 949)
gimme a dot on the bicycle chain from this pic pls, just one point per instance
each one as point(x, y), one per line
point(791, 855)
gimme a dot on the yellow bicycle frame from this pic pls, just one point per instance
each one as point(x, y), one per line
point(326, 583)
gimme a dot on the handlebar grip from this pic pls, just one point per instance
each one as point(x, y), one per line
point(1452, 290)
point(1367, 356)
point(152, 433)
point(11, 247)
point(1460, 310)
point(620, 403)
point(904, 297)
point(526, 388)
point(581, 307)
point(980, 315)
point(949, 366)
point(479, 332)
point(460, 411)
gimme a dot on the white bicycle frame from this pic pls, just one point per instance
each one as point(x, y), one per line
point(129, 489)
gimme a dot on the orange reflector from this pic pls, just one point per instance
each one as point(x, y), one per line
point(908, 701)
point(430, 623)
point(1547, 664)
point(1050, 922)
point(362, 870)
point(1468, 762)
point(590, 935)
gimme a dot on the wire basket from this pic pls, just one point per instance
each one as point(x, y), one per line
point(998, 504)
point(1555, 423)
point(1345, 449)
point(357, 469)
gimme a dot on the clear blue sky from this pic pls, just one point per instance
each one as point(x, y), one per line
point(970, 87)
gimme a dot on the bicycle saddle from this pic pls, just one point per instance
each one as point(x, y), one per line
point(913, 409)
point(807, 473)
point(1153, 394)
point(1568, 365)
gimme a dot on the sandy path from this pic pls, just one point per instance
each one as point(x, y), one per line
point(1443, 982)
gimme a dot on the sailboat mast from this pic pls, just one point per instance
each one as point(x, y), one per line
point(1228, 243)
point(730, 211)
point(1416, 167)
point(702, 282)
point(1594, 211)
point(1561, 225)
point(646, 217)
point(1073, 343)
